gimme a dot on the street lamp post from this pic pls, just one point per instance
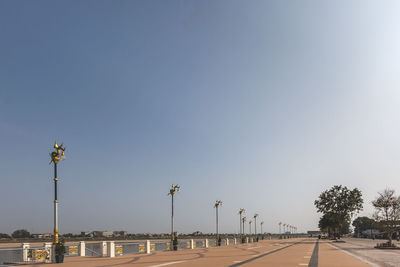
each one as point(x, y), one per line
point(216, 205)
point(262, 233)
point(241, 211)
point(280, 227)
point(243, 221)
point(255, 224)
point(250, 227)
point(172, 191)
point(57, 155)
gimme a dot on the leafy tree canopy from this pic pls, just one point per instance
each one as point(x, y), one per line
point(330, 224)
point(387, 211)
point(338, 205)
point(4, 235)
point(22, 233)
point(340, 200)
point(363, 223)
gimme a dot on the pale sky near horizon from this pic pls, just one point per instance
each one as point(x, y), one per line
point(262, 104)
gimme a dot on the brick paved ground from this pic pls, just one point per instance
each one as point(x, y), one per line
point(289, 252)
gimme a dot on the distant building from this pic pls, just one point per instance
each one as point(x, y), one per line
point(107, 234)
point(87, 234)
point(314, 233)
point(370, 233)
point(47, 235)
point(120, 233)
point(97, 233)
point(197, 233)
point(42, 236)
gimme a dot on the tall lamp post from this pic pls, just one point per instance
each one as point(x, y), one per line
point(243, 221)
point(250, 227)
point(172, 191)
point(262, 233)
point(280, 227)
point(217, 204)
point(57, 155)
point(255, 224)
point(241, 211)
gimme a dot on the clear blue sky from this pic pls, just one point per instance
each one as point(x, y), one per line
point(262, 104)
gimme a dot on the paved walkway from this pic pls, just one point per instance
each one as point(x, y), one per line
point(282, 253)
point(364, 248)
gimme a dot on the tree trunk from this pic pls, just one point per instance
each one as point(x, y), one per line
point(390, 237)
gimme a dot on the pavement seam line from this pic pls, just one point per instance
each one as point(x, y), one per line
point(167, 263)
point(355, 256)
point(314, 257)
point(262, 255)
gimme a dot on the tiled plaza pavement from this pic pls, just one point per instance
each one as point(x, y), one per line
point(364, 248)
point(276, 253)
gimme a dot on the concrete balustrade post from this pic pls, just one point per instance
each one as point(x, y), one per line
point(234, 241)
point(82, 249)
point(206, 243)
point(191, 244)
point(49, 248)
point(25, 248)
point(227, 242)
point(104, 249)
point(148, 247)
point(111, 249)
point(247, 240)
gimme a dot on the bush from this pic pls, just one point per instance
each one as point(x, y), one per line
point(60, 247)
point(175, 243)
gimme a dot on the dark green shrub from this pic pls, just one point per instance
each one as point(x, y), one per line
point(175, 243)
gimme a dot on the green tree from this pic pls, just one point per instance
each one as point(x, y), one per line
point(362, 223)
point(22, 233)
point(387, 211)
point(4, 235)
point(329, 223)
point(341, 204)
